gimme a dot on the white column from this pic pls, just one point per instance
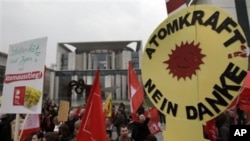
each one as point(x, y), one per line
point(85, 61)
point(118, 83)
point(89, 61)
point(124, 87)
point(72, 61)
point(113, 60)
point(54, 92)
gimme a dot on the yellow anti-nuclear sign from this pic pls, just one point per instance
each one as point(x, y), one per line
point(194, 63)
point(193, 66)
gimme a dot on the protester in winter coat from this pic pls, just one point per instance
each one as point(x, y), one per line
point(124, 134)
point(5, 126)
point(140, 129)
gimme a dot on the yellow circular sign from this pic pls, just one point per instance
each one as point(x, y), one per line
point(194, 63)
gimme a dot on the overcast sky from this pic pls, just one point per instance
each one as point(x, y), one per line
point(78, 21)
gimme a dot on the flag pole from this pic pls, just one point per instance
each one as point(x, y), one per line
point(17, 124)
point(24, 123)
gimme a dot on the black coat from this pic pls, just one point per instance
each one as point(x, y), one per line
point(140, 130)
point(5, 127)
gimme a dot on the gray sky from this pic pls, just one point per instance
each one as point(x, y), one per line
point(78, 21)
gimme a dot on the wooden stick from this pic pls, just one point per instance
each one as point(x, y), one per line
point(24, 123)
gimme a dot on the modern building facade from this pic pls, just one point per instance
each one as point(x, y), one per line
point(3, 61)
point(79, 61)
point(112, 59)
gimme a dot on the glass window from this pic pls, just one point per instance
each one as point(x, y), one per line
point(64, 61)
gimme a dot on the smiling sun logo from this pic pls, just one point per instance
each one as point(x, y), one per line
point(185, 60)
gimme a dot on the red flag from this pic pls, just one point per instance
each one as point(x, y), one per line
point(92, 127)
point(154, 122)
point(211, 130)
point(246, 83)
point(136, 93)
point(175, 5)
point(243, 99)
point(31, 125)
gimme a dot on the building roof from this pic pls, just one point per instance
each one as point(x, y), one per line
point(104, 45)
point(3, 54)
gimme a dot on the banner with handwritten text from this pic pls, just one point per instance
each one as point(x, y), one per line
point(24, 76)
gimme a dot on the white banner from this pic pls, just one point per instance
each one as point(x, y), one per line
point(24, 76)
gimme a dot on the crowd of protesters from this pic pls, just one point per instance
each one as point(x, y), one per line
point(119, 127)
point(222, 123)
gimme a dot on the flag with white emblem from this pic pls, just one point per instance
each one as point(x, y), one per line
point(136, 93)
